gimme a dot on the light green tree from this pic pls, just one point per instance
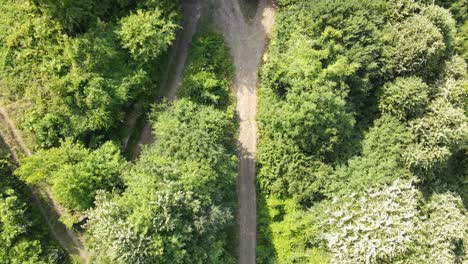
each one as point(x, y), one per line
point(147, 33)
point(415, 46)
point(74, 172)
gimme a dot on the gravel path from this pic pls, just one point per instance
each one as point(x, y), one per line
point(247, 42)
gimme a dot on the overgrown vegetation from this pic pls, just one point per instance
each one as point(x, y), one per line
point(75, 174)
point(72, 68)
point(362, 103)
point(178, 205)
point(24, 237)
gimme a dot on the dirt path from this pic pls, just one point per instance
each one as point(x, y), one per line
point(192, 10)
point(14, 134)
point(247, 42)
point(66, 237)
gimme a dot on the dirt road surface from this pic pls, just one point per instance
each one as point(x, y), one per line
point(192, 10)
point(247, 42)
point(66, 237)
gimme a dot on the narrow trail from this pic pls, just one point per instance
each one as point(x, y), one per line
point(66, 237)
point(192, 10)
point(14, 134)
point(247, 42)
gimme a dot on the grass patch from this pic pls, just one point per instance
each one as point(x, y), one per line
point(287, 234)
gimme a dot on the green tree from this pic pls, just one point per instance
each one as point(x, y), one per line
point(439, 133)
point(459, 8)
point(454, 87)
point(209, 72)
point(178, 204)
point(79, 16)
point(381, 162)
point(79, 79)
point(309, 126)
point(415, 46)
point(188, 131)
point(442, 19)
point(147, 33)
point(23, 236)
point(317, 120)
point(294, 233)
point(405, 98)
point(16, 247)
point(74, 172)
point(359, 97)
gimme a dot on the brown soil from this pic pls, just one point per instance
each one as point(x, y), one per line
point(247, 42)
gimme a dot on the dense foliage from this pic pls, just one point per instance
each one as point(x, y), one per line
point(386, 225)
point(24, 238)
point(69, 71)
point(363, 134)
point(178, 205)
point(208, 77)
point(71, 68)
point(74, 173)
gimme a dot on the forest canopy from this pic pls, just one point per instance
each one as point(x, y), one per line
point(363, 133)
point(178, 205)
point(70, 69)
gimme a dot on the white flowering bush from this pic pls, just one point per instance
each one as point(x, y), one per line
point(112, 237)
point(445, 232)
point(378, 226)
point(393, 224)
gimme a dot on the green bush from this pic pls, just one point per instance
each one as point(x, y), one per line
point(24, 238)
point(209, 72)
